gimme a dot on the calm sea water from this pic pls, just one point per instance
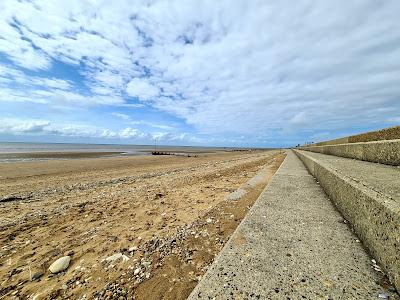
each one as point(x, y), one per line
point(11, 152)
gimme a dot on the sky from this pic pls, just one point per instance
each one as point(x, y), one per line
point(212, 73)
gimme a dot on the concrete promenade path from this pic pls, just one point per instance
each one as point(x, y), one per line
point(293, 244)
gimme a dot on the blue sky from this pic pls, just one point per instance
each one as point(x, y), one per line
point(223, 73)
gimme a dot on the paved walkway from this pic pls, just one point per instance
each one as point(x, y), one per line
point(293, 244)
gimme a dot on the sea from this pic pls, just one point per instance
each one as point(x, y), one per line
point(16, 152)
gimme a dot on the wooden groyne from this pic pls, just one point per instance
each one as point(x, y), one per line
point(173, 153)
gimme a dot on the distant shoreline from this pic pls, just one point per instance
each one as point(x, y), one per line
point(28, 152)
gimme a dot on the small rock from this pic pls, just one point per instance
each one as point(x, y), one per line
point(60, 264)
point(209, 220)
point(36, 275)
point(64, 286)
point(117, 256)
point(134, 248)
point(392, 289)
point(146, 264)
point(108, 294)
point(383, 296)
point(114, 257)
point(125, 258)
point(137, 271)
point(158, 195)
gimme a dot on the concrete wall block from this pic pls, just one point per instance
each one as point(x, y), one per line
point(390, 133)
point(387, 152)
point(384, 152)
point(309, 163)
point(355, 151)
point(374, 217)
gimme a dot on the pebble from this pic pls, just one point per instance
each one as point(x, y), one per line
point(114, 257)
point(60, 264)
point(37, 275)
point(117, 256)
point(209, 220)
point(137, 271)
point(125, 258)
point(383, 296)
point(134, 248)
point(146, 264)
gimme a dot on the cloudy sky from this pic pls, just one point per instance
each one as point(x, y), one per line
point(235, 73)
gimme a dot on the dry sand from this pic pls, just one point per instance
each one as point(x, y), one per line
point(163, 218)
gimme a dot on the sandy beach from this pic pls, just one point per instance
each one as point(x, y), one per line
point(139, 227)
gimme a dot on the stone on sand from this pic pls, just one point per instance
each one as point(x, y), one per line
point(117, 256)
point(60, 264)
point(37, 274)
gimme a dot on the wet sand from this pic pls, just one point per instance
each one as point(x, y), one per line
point(153, 212)
point(57, 155)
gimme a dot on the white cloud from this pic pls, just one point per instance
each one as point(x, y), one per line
point(141, 88)
point(129, 120)
point(131, 133)
point(122, 116)
point(8, 75)
point(16, 126)
point(52, 83)
point(242, 68)
point(300, 119)
point(44, 127)
point(21, 51)
point(43, 90)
